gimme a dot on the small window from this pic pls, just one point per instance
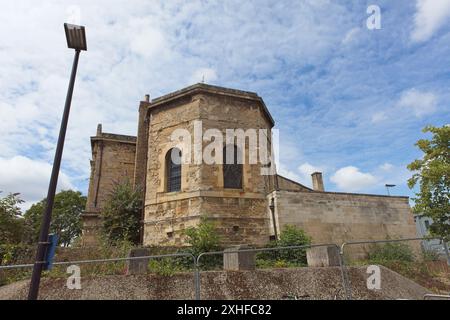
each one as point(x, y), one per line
point(173, 165)
point(235, 228)
point(232, 168)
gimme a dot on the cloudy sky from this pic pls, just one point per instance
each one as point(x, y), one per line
point(348, 101)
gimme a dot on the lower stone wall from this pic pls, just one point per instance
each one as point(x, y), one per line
point(338, 217)
point(166, 221)
point(237, 220)
point(91, 228)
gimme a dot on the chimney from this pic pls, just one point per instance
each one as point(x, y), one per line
point(99, 130)
point(147, 98)
point(317, 181)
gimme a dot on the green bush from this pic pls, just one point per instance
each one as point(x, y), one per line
point(122, 214)
point(393, 251)
point(165, 266)
point(203, 238)
point(16, 254)
point(290, 236)
point(430, 255)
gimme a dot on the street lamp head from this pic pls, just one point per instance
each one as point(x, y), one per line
point(76, 36)
point(390, 185)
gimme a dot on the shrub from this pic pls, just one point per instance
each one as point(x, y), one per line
point(122, 214)
point(165, 266)
point(393, 251)
point(16, 254)
point(430, 254)
point(203, 238)
point(289, 236)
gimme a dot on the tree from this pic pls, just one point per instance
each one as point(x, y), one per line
point(66, 222)
point(432, 173)
point(11, 221)
point(122, 214)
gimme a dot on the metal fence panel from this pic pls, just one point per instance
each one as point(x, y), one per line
point(204, 255)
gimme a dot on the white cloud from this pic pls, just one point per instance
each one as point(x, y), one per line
point(28, 177)
point(430, 16)
point(350, 35)
point(351, 179)
point(207, 75)
point(379, 117)
point(283, 171)
point(305, 171)
point(387, 167)
point(418, 102)
point(146, 40)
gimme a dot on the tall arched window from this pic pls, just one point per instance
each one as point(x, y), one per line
point(173, 171)
point(232, 168)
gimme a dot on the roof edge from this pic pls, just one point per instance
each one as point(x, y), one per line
point(207, 88)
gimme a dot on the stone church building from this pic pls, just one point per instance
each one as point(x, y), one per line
point(245, 206)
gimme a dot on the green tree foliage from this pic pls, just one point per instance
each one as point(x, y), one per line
point(11, 221)
point(66, 222)
point(203, 238)
point(122, 214)
point(432, 174)
point(290, 236)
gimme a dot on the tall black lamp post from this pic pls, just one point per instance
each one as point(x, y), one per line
point(76, 39)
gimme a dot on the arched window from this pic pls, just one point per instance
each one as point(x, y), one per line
point(232, 169)
point(173, 171)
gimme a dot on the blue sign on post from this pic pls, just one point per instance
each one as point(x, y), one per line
point(51, 250)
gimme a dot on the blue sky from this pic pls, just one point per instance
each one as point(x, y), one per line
point(348, 101)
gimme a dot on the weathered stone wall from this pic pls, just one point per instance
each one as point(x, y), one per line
point(113, 162)
point(289, 185)
point(240, 215)
point(142, 146)
point(338, 217)
point(117, 166)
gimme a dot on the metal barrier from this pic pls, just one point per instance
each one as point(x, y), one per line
point(109, 260)
point(103, 260)
point(198, 280)
point(345, 244)
point(346, 285)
